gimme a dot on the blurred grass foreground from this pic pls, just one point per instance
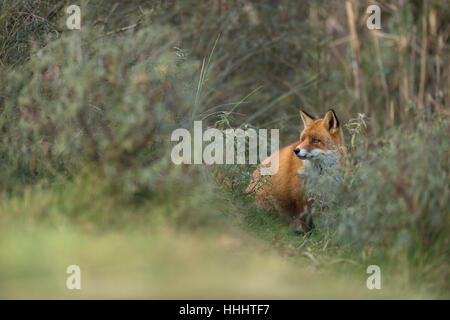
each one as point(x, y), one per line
point(86, 174)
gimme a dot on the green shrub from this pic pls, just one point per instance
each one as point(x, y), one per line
point(82, 100)
point(23, 22)
point(391, 192)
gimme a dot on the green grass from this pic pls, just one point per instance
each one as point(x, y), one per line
point(140, 253)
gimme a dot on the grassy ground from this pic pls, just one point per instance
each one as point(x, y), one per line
point(139, 253)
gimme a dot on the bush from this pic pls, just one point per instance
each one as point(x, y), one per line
point(401, 189)
point(84, 100)
point(23, 22)
point(391, 192)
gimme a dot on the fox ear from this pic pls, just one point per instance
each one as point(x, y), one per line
point(306, 118)
point(331, 121)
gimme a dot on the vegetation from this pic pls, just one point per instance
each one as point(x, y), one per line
point(87, 177)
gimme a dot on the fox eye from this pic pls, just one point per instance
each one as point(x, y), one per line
point(313, 140)
point(302, 139)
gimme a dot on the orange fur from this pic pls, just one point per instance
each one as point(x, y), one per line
point(282, 191)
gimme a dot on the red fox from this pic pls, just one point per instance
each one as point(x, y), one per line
point(282, 191)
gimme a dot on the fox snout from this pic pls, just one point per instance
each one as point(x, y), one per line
point(302, 153)
point(313, 154)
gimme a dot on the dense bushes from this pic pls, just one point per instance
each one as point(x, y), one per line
point(106, 99)
point(85, 100)
point(391, 192)
point(22, 23)
point(393, 189)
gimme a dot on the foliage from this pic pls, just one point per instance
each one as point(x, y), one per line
point(86, 119)
point(392, 193)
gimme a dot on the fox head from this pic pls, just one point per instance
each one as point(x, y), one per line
point(320, 136)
